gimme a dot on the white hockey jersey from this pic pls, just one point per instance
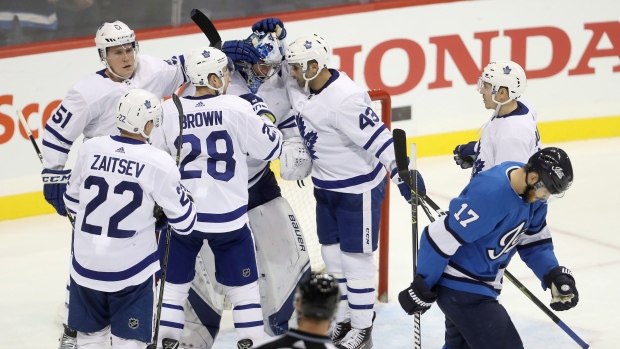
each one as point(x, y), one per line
point(511, 137)
point(219, 133)
point(273, 92)
point(88, 107)
point(348, 142)
point(112, 192)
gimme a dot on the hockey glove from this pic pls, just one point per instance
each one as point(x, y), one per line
point(270, 25)
point(238, 50)
point(417, 298)
point(161, 221)
point(564, 294)
point(54, 187)
point(404, 188)
point(465, 155)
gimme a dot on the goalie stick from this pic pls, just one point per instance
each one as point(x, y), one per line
point(410, 178)
point(204, 23)
point(400, 150)
point(167, 342)
point(22, 120)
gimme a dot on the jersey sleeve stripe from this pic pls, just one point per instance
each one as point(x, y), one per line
point(374, 136)
point(383, 147)
point(349, 182)
point(532, 231)
point(57, 135)
point(183, 217)
point(446, 223)
point(442, 239)
point(287, 126)
point(278, 146)
point(71, 211)
point(71, 198)
point(116, 275)
point(522, 247)
point(222, 217)
point(189, 227)
point(285, 123)
point(55, 147)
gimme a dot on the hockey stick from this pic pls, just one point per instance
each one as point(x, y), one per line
point(528, 294)
point(207, 27)
point(22, 120)
point(410, 177)
point(172, 344)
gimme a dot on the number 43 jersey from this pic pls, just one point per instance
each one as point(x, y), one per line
point(112, 192)
point(219, 133)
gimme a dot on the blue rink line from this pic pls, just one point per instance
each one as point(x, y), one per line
point(393, 329)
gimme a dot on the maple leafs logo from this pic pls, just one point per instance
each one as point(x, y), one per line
point(310, 137)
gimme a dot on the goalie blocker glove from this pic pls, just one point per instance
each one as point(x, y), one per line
point(564, 294)
point(465, 154)
point(54, 188)
point(267, 25)
point(417, 298)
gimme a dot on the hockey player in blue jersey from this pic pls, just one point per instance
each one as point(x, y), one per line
point(350, 150)
point(463, 255)
point(219, 133)
point(511, 134)
point(116, 182)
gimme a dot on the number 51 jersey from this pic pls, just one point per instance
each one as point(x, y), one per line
point(112, 192)
point(219, 133)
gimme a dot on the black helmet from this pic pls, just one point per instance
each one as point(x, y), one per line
point(319, 295)
point(554, 169)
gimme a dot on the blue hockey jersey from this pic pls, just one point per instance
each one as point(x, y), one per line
point(470, 248)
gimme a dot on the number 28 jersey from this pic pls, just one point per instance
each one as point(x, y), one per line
point(112, 192)
point(219, 133)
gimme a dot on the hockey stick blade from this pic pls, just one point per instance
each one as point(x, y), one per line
point(400, 152)
point(207, 27)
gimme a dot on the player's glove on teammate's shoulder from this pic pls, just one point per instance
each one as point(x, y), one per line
point(270, 25)
point(54, 187)
point(465, 154)
point(239, 50)
point(563, 291)
point(416, 298)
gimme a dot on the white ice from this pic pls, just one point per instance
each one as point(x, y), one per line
point(34, 255)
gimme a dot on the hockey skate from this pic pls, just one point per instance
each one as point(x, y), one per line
point(68, 340)
point(245, 344)
point(339, 330)
point(357, 339)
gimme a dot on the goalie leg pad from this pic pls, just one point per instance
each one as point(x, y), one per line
point(276, 228)
point(202, 322)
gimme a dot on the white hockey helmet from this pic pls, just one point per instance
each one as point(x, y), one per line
point(504, 74)
point(135, 108)
point(306, 49)
point(114, 34)
point(204, 61)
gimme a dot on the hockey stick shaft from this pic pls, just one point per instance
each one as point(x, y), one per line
point(204, 23)
point(162, 280)
point(24, 123)
point(536, 301)
point(409, 176)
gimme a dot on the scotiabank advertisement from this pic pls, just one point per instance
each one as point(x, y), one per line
point(427, 57)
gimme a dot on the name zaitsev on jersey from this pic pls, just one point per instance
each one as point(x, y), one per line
point(112, 192)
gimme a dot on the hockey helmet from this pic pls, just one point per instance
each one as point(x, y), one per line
point(306, 49)
point(114, 34)
point(554, 169)
point(506, 74)
point(135, 108)
point(271, 54)
point(319, 295)
point(203, 62)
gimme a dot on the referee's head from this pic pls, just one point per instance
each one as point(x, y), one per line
point(317, 296)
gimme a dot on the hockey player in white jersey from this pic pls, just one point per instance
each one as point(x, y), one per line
point(116, 182)
point(219, 132)
point(350, 148)
point(511, 134)
point(257, 61)
point(88, 108)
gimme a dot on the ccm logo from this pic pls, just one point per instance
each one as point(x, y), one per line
point(56, 179)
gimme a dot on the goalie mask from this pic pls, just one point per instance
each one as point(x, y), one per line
point(503, 74)
point(203, 62)
point(114, 34)
point(306, 49)
point(135, 108)
point(271, 55)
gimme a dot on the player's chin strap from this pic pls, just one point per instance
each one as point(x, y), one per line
point(306, 88)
